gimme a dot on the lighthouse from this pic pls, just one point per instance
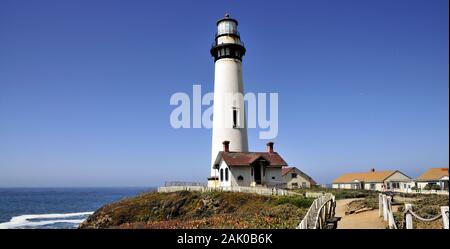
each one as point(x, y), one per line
point(229, 122)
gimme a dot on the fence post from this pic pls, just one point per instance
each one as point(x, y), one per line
point(385, 208)
point(391, 220)
point(380, 205)
point(408, 217)
point(444, 211)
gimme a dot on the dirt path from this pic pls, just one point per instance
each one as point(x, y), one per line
point(364, 220)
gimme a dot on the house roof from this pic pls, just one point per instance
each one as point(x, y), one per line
point(371, 176)
point(433, 174)
point(247, 158)
point(286, 170)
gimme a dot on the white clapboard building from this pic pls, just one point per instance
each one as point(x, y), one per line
point(374, 180)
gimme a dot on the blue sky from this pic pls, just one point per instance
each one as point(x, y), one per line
point(85, 86)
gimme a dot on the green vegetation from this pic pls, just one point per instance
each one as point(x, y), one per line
point(341, 193)
point(297, 201)
point(370, 202)
point(426, 206)
point(432, 187)
point(353, 193)
point(201, 210)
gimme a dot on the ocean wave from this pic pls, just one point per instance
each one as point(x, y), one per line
point(38, 220)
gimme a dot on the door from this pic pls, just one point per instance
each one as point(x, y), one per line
point(257, 171)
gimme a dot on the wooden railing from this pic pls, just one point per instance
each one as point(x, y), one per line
point(385, 210)
point(420, 191)
point(181, 183)
point(408, 215)
point(322, 209)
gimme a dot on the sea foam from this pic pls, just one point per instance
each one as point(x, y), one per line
point(37, 220)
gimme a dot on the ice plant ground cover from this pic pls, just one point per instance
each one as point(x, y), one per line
point(201, 210)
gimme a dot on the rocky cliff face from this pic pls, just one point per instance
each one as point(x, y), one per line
point(200, 210)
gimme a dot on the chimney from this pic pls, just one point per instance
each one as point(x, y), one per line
point(270, 147)
point(372, 170)
point(226, 146)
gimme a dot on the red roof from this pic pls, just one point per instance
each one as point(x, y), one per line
point(247, 158)
point(286, 170)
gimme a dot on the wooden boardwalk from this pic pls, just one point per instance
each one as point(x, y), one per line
point(364, 220)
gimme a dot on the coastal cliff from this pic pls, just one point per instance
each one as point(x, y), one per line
point(200, 210)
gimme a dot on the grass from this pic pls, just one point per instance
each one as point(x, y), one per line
point(341, 193)
point(298, 201)
point(426, 206)
point(201, 210)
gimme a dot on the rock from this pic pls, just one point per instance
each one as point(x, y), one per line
point(363, 210)
point(101, 222)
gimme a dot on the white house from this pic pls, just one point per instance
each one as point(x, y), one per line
point(295, 178)
point(433, 176)
point(247, 169)
point(374, 180)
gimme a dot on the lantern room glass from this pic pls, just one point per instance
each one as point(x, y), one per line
point(227, 27)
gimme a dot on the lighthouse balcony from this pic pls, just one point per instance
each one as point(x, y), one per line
point(227, 50)
point(230, 33)
point(215, 44)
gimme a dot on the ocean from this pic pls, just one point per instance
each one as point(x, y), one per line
point(55, 208)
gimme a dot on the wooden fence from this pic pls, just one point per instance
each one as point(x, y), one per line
point(322, 209)
point(181, 183)
point(254, 190)
point(420, 191)
point(385, 210)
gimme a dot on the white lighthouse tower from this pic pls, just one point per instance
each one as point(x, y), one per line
point(229, 122)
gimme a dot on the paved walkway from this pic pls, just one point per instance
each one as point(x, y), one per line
point(364, 220)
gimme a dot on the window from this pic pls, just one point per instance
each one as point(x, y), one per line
point(294, 185)
point(234, 118)
point(303, 184)
point(221, 175)
point(240, 178)
point(273, 177)
point(395, 185)
point(294, 175)
point(226, 27)
point(226, 174)
point(372, 186)
point(227, 51)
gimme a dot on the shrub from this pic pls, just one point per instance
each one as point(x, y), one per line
point(297, 201)
point(352, 193)
point(432, 187)
point(436, 187)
